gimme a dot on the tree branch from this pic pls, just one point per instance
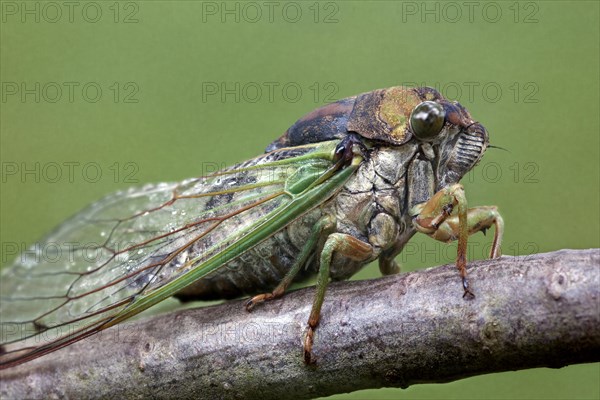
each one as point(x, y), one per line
point(533, 311)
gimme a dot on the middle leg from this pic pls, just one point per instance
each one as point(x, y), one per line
point(350, 247)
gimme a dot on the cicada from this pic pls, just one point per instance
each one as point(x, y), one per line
point(348, 183)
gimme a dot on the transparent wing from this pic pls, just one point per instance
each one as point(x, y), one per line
point(116, 257)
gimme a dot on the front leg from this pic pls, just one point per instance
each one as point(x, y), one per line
point(479, 219)
point(445, 217)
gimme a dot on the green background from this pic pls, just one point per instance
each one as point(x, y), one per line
point(529, 74)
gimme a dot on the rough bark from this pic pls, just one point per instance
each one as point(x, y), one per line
point(533, 311)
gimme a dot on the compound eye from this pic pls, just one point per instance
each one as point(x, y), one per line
point(427, 120)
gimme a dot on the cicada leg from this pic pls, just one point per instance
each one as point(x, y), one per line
point(387, 260)
point(323, 225)
point(445, 217)
point(348, 246)
point(479, 219)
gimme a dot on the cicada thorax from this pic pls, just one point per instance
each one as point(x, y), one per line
point(380, 115)
point(372, 206)
point(328, 122)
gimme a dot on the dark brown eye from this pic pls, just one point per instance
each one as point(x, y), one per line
point(427, 120)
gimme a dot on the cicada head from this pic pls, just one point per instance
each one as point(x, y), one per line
point(444, 130)
point(458, 142)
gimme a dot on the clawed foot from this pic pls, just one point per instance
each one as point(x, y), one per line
point(467, 294)
point(309, 359)
point(251, 303)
